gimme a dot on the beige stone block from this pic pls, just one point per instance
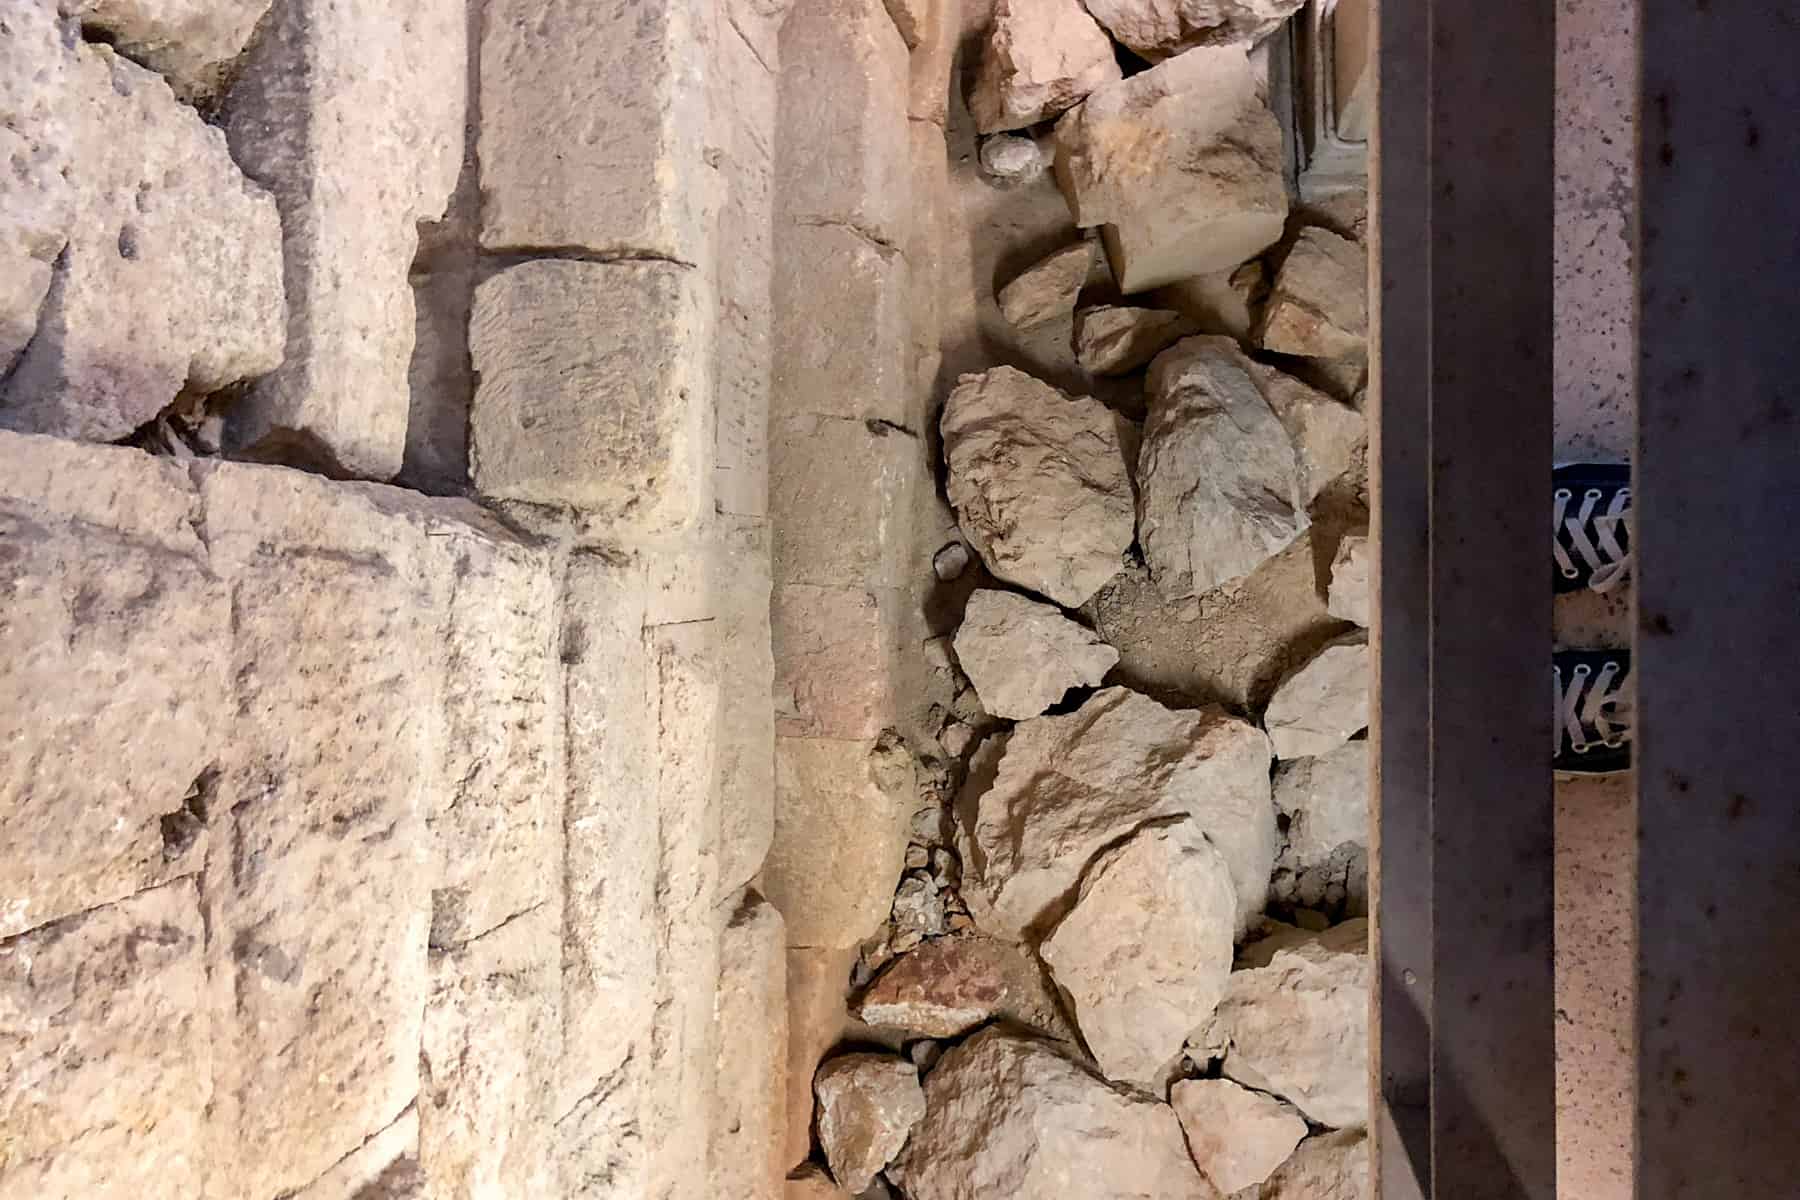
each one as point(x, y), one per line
point(750, 1097)
point(113, 643)
point(386, 1167)
point(834, 660)
point(844, 85)
point(594, 127)
point(191, 43)
point(933, 56)
point(842, 810)
point(818, 981)
point(759, 22)
point(746, 718)
point(843, 340)
point(353, 115)
point(595, 390)
point(839, 500)
point(108, 1053)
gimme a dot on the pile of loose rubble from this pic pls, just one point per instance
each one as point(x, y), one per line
point(1128, 957)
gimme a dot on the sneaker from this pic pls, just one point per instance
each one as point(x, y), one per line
point(1591, 526)
point(1593, 711)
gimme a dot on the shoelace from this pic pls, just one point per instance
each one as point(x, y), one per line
point(1602, 708)
point(1608, 563)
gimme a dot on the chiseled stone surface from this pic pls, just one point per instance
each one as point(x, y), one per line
point(1009, 1116)
point(740, 578)
point(1180, 165)
point(749, 1118)
point(189, 42)
point(1042, 56)
point(1322, 702)
point(1237, 1136)
point(1023, 655)
point(841, 345)
point(594, 390)
point(1319, 306)
point(377, 88)
point(833, 661)
point(109, 1052)
point(118, 199)
point(868, 1104)
point(1038, 481)
point(1156, 29)
point(948, 986)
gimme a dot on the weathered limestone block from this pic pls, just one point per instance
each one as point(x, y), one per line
point(950, 985)
point(750, 1098)
point(1319, 306)
point(594, 128)
point(1042, 56)
point(740, 583)
point(1069, 786)
point(594, 390)
point(1331, 1166)
point(940, 31)
point(817, 981)
point(842, 810)
point(1047, 289)
point(1023, 655)
point(843, 152)
point(1156, 29)
point(842, 343)
point(1219, 486)
point(113, 678)
point(912, 18)
point(834, 655)
point(1181, 166)
point(839, 508)
point(868, 1104)
point(489, 1059)
point(1039, 483)
point(1324, 858)
point(109, 1052)
point(119, 197)
point(1146, 949)
point(1009, 1116)
point(385, 1167)
point(352, 114)
point(190, 42)
point(1236, 1136)
point(1329, 437)
point(1116, 340)
point(759, 23)
point(1299, 1026)
point(1347, 597)
point(1323, 702)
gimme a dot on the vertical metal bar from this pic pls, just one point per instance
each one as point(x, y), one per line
point(1717, 663)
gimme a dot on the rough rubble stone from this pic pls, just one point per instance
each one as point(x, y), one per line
point(1012, 158)
point(1319, 306)
point(1299, 1026)
point(868, 1104)
point(919, 911)
point(813, 1182)
point(593, 392)
point(1042, 56)
point(1236, 1136)
point(116, 198)
point(1008, 1116)
point(1047, 289)
point(1023, 655)
point(1039, 483)
point(191, 43)
point(1219, 487)
point(1068, 786)
point(1156, 29)
point(842, 810)
point(950, 562)
point(1331, 1166)
point(750, 1103)
point(1117, 339)
point(1323, 702)
point(1181, 166)
point(948, 986)
point(1347, 599)
point(1146, 949)
point(1324, 857)
point(1329, 437)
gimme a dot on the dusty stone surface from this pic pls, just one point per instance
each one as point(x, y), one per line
point(1038, 481)
point(1299, 1026)
point(1023, 655)
point(1319, 706)
point(1219, 486)
point(912, 18)
point(375, 90)
point(1331, 1166)
point(838, 503)
point(949, 986)
point(1006, 1116)
point(868, 1105)
point(1042, 56)
point(813, 1182)
point(746, 720)
point(1067, 786)
point(750, 1111)
point(98, 230)
point(817, 982)
point(1330, 438)
point(841, 814)
point(1146, 949)
point(593, 390)
point(1012, 158)
point(1047, 289)
point(1324, 857)
point(1180, 166)
point(1156, 29)
point(831, 648)
point(1319, 305)
point(1236, 1136)
point(841, 345)
point(189, 42)
point(1347, 598)
point(1118, 339)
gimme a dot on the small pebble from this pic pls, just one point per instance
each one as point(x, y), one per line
point(950, 562)
point(1011, 158)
